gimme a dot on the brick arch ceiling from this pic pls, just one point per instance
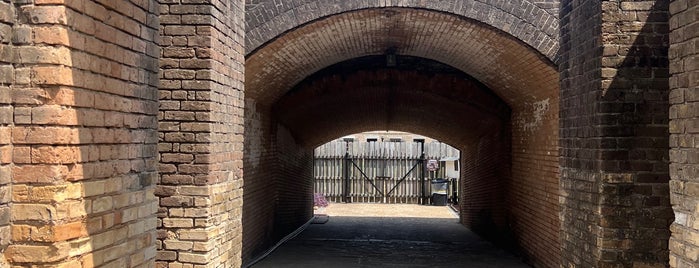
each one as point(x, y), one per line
point(517, 73)
point(523, 19)
point(449, 107)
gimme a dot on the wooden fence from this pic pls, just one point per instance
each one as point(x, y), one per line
point(378, 172)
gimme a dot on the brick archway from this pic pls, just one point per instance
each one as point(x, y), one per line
point(520, 77)
point(533, 22)
point(418, 96)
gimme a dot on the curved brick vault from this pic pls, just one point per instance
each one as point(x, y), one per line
point(517, 74)
point(533, 22)
point(363, 95)
point(504, 114)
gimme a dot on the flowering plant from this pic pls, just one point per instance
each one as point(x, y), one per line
point(319, 200)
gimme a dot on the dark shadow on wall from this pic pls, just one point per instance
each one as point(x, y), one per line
point(259, 182)
point(294, 173)
point(487, 169)
point(278, 182)
point(632, 122)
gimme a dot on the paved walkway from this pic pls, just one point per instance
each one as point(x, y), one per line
point(378, 235)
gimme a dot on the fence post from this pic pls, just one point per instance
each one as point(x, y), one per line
point(345, 175)
point(423, 200)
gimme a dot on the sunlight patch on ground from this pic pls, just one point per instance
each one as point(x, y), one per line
point(386, 210)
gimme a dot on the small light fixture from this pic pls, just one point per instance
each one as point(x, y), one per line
point(391, 57)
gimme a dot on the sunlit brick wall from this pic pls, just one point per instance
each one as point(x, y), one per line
point(83, 91)
point(684, 129)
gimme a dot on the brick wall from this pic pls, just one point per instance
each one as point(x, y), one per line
point(200, 134)
point(278, 181)
point(633, 112)
point(484, 176)
point(83, 91)
point(7, 21)
point(533, 189)
point(614, 133)
point(293, 181)
point(580, 78)
point(684, 129)
point(259, 191)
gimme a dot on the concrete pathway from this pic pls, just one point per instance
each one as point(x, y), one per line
point(381, 235)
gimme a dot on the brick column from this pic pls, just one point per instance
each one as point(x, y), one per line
point(615, 205)
point(83, 96)
point(684, 129)
point(201, 133)
point(7, 19)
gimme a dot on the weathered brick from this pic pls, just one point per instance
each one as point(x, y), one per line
point(193, 235)
point(47, 55)
point(178, 245)
point(39, 174)
point(194, 257)
point(37, 212)
point(46, 14)
point(49, 233)
point(55, 155)
point(52, 35)
point(30, 253)
point(177, 223)
point(52, 75)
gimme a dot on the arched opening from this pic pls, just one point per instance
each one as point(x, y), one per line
point(468, 84)
point(387, 167)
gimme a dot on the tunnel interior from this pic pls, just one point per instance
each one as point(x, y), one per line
point(472, 86)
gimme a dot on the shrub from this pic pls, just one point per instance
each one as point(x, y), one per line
point(319, 200)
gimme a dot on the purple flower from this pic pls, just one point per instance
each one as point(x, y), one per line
point(319, 200)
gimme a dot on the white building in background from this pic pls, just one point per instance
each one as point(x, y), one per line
point(450, 166)
point(387, 136)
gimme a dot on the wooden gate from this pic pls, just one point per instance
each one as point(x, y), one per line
point(376, 172)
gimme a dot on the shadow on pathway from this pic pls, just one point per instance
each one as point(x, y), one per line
point(357, 241)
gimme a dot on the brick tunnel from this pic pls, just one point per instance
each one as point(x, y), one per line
point(469, 84)
point(180, 133)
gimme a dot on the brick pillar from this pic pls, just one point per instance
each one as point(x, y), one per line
point(83, 97)
point(201, 133)
point(6, 120)
point(684, 129)
point(614, 90)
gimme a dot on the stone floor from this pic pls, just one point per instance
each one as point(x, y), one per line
point(381, 235)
